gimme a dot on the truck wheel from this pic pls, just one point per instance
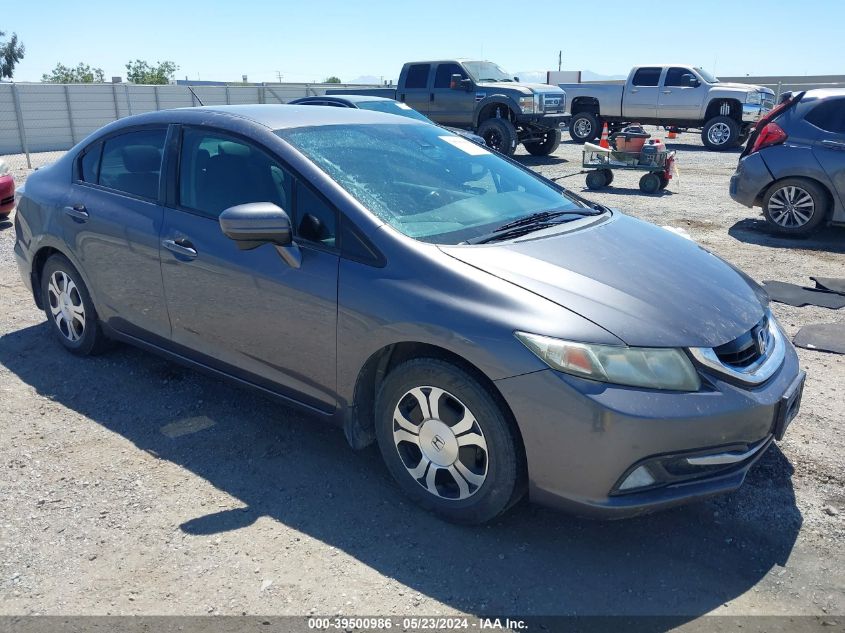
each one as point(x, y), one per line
point(720, 133)
point(584, 127)
point(499, 134)
point(545, 147)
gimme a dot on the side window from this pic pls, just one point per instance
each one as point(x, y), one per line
point(131, 162)
point(217, 171)
point(316, 220)
point(443, 77)
point(89, 164)
point(829, 115)
point(647, 77)
point(417, 76)
point(674, 76)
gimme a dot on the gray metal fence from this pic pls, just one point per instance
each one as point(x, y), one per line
point(40, 121)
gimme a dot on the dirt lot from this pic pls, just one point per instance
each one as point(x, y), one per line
point(133, 486)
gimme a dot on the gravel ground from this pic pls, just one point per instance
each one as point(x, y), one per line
point(134, 486)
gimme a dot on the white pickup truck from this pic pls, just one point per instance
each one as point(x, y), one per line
point(672, 95)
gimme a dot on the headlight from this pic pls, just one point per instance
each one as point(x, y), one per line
point(528, 104)
point(649, 367)
point(754, 97)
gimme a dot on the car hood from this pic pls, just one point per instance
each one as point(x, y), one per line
point(524, 88)
point(736, 86)
point(644, 284)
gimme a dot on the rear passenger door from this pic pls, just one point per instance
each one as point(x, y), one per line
point(828, 118)
point(640, 98)
point(416, 91)
point(112, 220)
point(451, 106)
point(247, 312)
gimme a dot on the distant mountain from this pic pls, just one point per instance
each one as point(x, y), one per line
point(365, 79)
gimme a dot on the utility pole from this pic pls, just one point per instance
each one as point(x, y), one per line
point(559, 60)
point(279, 75)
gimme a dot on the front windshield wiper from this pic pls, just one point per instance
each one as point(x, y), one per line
point(529, 224)
point(495, 80)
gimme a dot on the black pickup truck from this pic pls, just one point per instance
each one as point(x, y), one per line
point(481, 97)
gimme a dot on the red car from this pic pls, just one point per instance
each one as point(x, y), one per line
point(7, 190)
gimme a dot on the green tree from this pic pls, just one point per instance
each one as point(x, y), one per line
point(11, 53)
point(82, 74)
point(332, 80)
point(140, 72)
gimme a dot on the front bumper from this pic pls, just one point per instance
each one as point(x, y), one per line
point(545, 121)
point(750, 180)
point(753, 112)
point(583, 438)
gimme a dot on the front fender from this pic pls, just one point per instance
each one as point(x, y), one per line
point(493, 99)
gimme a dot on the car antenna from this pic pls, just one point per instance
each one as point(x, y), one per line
point(195, 95)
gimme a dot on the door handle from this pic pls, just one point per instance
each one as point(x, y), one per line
point(181, 247)
point(78, 212)
point(834, 145)
point(667, 92)
point(635, 89)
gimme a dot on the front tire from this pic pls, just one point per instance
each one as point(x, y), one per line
point(69, 309)
point(499, 134)
point(447, 442)
point(545, 147)
point(720, 133)
point(584, 127)
point(795, 206)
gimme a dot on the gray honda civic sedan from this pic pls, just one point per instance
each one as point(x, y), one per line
point(496, 334)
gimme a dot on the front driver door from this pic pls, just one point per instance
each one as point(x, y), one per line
point(678, 100)
point(248, 312)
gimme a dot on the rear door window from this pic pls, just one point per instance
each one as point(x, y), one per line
point(131, 162)
point(829, 115)
point(417, 76)
point(647, 77)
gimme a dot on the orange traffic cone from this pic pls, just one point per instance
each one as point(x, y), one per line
point(672, 133)
point(603, 142)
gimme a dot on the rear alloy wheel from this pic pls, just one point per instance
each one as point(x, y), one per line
point(795, 206)
point(584, 127)
point(550, 142)
point(499, 134)
point(446, 441)
point(69, 308)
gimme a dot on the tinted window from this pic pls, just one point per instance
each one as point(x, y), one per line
point(217, 171)
point(132, 162)
point(89, 164)
point(829, 115)
point(444, 75)
point(675, 76)
point(417, 76)
point(316, 220)
point(393, 107)
point(647, 77)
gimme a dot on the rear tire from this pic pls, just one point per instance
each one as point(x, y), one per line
point(795, 206)
point(720, 133)
point(584, 127)
point(546, 146)
point(499, 134)
point(447, 442)
point(598, 179)
point(69, 309)
point(650, 183)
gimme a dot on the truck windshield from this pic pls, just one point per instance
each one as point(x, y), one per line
point(486, 71)
point(706, 76)
point(393, 107)
point(427, 183)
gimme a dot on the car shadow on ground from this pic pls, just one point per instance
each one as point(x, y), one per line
point(528, 160)
point(296, 470)
point(757, 231)
point(5, 223)
point(614, 190)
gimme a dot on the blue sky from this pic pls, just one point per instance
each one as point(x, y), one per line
point(310, 40)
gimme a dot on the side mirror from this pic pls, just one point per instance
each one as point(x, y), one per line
point(458, 82)
point(689, 81)
point(256, 223)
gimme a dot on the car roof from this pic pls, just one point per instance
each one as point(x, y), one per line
point(822, 93)
point(342, 97)
point(272, 116)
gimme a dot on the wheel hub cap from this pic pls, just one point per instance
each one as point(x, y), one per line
point(440, 443)
point(66, 306)
point(791, 207)
point(719, 133)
